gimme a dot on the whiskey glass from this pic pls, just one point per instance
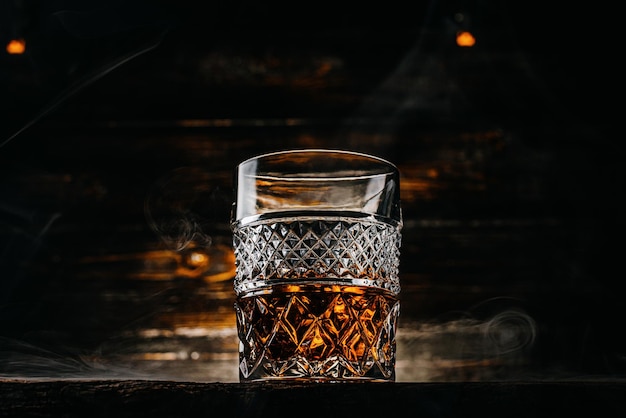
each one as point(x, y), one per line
point(316, 238)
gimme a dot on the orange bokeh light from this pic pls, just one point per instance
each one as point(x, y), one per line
point(16, 46)
point(465, 39)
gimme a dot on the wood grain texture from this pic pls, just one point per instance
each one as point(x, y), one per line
point(130, 398)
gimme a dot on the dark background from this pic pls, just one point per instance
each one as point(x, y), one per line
point(122, 123)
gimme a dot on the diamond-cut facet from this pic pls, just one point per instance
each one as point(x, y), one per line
point(314, 332)
point(327, 248)
point(317, 299)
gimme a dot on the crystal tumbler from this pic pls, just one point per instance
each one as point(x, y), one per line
point(316, 237)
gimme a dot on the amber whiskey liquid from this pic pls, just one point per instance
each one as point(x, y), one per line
point(318, 332)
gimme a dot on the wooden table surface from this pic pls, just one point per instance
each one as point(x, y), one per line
point(129, 398)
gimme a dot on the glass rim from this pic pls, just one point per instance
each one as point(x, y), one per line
point(322, 151)
point(324, 180)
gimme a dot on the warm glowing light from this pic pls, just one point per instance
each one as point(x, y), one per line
point(214, 264)
point(16, 46)
point(432, 173)
point(465, 39)
point(196, 259)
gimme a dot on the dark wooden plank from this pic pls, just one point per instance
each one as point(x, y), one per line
point(131, 398)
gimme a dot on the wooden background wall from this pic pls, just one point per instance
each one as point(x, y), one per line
point(122, 125)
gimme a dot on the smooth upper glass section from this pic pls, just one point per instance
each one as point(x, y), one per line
point(317, 180)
